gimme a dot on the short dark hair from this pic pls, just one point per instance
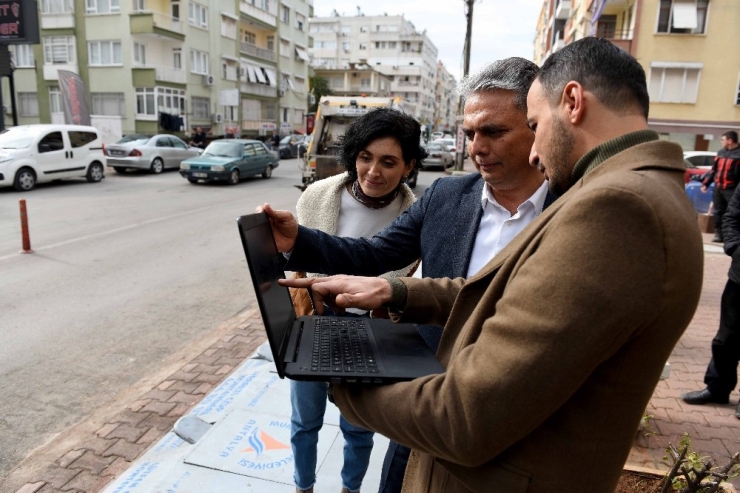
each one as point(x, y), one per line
point(376, 124)
point(510, 74)
point(609, 72)
point(732, 135)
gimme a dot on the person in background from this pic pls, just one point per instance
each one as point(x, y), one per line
point(379, 150)
point(553, 349)
point(721, 374)
point(726, 175)
point(198, 138)
point(275, 140)
point(459, 223)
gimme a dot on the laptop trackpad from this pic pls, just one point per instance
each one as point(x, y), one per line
point(405, 342)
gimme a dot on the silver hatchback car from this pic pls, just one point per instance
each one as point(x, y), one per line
point(154, 153)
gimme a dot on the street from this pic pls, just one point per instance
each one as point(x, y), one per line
point(126, 273)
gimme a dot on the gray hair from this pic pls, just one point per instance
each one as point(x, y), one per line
point(510, 74)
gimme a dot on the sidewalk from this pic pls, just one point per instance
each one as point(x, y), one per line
point(134, 448)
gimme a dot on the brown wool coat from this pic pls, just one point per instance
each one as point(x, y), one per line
point(553, 350)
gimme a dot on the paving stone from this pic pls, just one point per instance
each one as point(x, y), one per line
point(128, 451)
point(106, 429)
point(159, 395)
point(205, 377)
point(118, 466)
point(127, 432)
point(31, 487)
point(161, 408)
point(187, 387)
point(183, 375)
point(92, 462)
point(182, 397)
point(130, 417)
point(87, 482)
point(70, 457)
point(57, 477)
point(203, 388)
point(150, 436)
point(166, 384)
point(162, 423)
point(180, 410)
point(138, 405)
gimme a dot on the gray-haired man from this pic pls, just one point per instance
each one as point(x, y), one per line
point(459, 224)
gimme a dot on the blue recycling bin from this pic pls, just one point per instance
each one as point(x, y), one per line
point(699, 199)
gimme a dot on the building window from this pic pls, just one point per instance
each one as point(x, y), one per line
point(170, 100)
point(337, 82)
point(102, 6)
point(57, 7)
point(55, 99)
point(392, 45)
point(199, 62)
point(197, 15)
point(286, 112)
point(177, 58)
point(229, 69)
point(365, 28)
point(674, 83)
point(365, 83)
point(284, 14)
point(300, 21)
point(297, 117)
point(271, 43)
point(327, 45)
point(175, 10)
point(682, 16)
point(145, 101)
point(28, 103)
point(59, 50)
point(201, 108)
point(228, 27)
point(104, 53)
point(22, 56)
point(108, 103)
point(363, 46)
point(300, 84)
point(139, 54)
point(284, 48)
point(249, 37)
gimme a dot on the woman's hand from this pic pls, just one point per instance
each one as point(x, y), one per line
point(340, 292)
point(284, 227)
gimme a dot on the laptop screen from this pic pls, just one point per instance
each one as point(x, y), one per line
point(266, 267)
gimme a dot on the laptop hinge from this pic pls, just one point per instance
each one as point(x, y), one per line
point(291, 351)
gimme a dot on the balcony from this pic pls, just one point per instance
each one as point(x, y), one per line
point(256, 51)
point(156, 24)
point(268, 18)
point(149, 75)
point(258, 90)
point(562, 10)
point(58, 20)
point(622, 39)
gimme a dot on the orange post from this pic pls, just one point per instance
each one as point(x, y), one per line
point(24, 229)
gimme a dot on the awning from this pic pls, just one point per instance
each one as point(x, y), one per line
point(684, 14)
point(302, 54)
point(260, 75)
point(252, 73)
point(290, 82)
point(271, 76)
point(230, 58)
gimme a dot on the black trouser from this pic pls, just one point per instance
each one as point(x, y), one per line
point(721, 375)
point(720, 199)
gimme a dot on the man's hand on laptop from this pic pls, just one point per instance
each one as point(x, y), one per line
point(340, 292)
point(284, 227)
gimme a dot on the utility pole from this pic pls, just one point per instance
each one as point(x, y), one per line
point(460, 155)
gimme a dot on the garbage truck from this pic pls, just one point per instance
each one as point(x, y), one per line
point(333, 116)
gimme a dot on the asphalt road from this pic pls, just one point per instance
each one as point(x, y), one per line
point(125, 273)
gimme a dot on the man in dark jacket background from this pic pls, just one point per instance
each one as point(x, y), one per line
point(725, 174)
point(721, 374)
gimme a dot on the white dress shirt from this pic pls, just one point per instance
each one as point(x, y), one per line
point(498, 227)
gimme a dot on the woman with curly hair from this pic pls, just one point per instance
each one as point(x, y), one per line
point(379, 150)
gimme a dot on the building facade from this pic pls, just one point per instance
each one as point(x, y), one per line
point(390, 45)
point(355, 81)
point(446, 100)
point(158, 65)
point(688, 48)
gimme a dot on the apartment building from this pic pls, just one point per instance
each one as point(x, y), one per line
point(390, 45)
point(156, 65)
point(294, 64)
point(356, 81)
point(446, 100)
point(688, 48)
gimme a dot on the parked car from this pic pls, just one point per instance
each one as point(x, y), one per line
point(437, 135)
point(439, 156)
point(698, 163)
point(154, 153)
point(230, 160)
point(31, 154)
point(451, 145)
point(288, 147)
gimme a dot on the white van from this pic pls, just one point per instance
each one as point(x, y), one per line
point(31, 154)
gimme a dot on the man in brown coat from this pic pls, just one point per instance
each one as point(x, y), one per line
point(553, 349)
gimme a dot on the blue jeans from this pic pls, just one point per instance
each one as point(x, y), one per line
point(308, 400)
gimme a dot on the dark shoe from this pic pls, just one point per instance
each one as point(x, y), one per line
point(298, 490)
point(346, 490)
point(718, 239)
point(704, 397)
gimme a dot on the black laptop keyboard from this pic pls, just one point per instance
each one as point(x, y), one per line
point(341, 345)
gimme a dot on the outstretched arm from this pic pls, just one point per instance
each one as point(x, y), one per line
point(340, 292)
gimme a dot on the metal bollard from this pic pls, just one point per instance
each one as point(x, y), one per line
point(24, 229)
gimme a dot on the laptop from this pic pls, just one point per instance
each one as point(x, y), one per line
point(336, 349)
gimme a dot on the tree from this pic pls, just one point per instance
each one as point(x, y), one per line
point(319, 87)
